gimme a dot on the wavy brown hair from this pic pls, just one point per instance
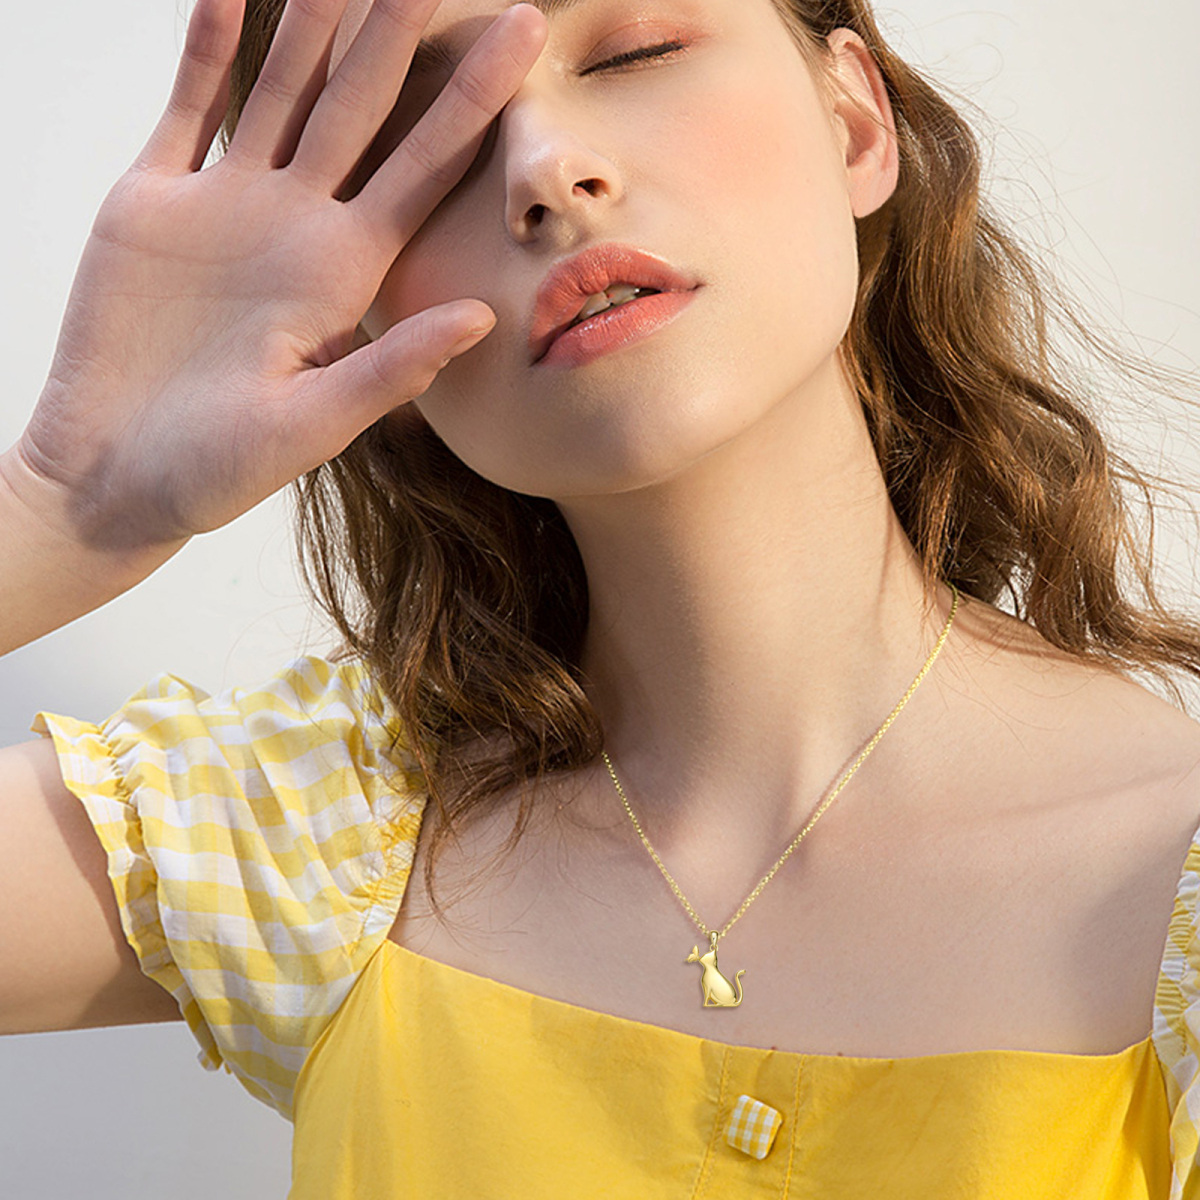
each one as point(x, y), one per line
point(468, 602)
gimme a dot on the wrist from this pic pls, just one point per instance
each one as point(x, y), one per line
point(51, 572)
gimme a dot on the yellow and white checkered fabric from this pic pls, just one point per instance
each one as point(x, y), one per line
point(258, 845)
point(1177, 1028)
point(752, 1126)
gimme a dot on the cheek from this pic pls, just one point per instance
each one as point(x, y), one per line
point(438, 264)
point(779, 211)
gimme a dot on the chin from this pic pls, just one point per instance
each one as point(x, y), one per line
point(602, 443)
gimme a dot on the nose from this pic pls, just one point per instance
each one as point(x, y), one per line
point(555, 177)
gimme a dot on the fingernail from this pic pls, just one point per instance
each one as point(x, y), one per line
point(472, 338)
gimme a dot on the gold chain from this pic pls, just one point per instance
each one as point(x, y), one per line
point(845, 779)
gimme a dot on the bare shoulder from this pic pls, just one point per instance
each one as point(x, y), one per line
point(1052, 724)
point(1074, 791)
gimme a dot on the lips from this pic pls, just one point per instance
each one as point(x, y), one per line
point(567, 287)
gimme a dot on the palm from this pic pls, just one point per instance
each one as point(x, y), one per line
point(220, 296)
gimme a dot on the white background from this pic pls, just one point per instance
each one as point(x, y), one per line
point(1089, 117)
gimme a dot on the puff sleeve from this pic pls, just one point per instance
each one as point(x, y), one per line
point(1177, 1028)
point(258, 844)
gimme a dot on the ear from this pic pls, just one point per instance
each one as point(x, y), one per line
point(865, 122)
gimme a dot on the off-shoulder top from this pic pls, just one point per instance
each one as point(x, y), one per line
point(259, 844)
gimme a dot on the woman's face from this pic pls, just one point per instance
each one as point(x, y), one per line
point(718, 155)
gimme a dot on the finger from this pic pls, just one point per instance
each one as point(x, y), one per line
point(357, 390)
point(196, 107)
point(363, 90)
point(289, 83)
point(436, 154)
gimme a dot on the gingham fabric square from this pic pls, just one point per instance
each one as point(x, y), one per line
point(753, 1126)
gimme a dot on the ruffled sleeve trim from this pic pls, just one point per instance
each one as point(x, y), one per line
point(92, 772)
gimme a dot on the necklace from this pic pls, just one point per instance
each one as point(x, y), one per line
point(716, 990)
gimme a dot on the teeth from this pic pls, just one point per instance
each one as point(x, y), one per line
point(620, 292)
point(595, 304)
point(617, 293)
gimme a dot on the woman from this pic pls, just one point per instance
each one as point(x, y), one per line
point(633, 600)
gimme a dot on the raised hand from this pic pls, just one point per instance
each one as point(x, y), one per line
point(206, 356)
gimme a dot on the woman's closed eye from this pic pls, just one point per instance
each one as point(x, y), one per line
point(629, 57)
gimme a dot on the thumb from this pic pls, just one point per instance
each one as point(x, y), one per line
point(378, 376)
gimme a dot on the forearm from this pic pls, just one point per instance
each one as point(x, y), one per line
point(49, 575)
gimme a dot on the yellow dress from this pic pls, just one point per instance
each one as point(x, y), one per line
point(259, 844)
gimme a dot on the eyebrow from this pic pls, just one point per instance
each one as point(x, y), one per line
point(436, 53)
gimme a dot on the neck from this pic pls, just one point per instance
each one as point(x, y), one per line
point(752, 622)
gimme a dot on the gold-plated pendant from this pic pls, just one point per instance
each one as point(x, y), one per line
point(718, 992)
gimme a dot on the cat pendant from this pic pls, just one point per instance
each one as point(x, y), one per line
point(718, 992)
